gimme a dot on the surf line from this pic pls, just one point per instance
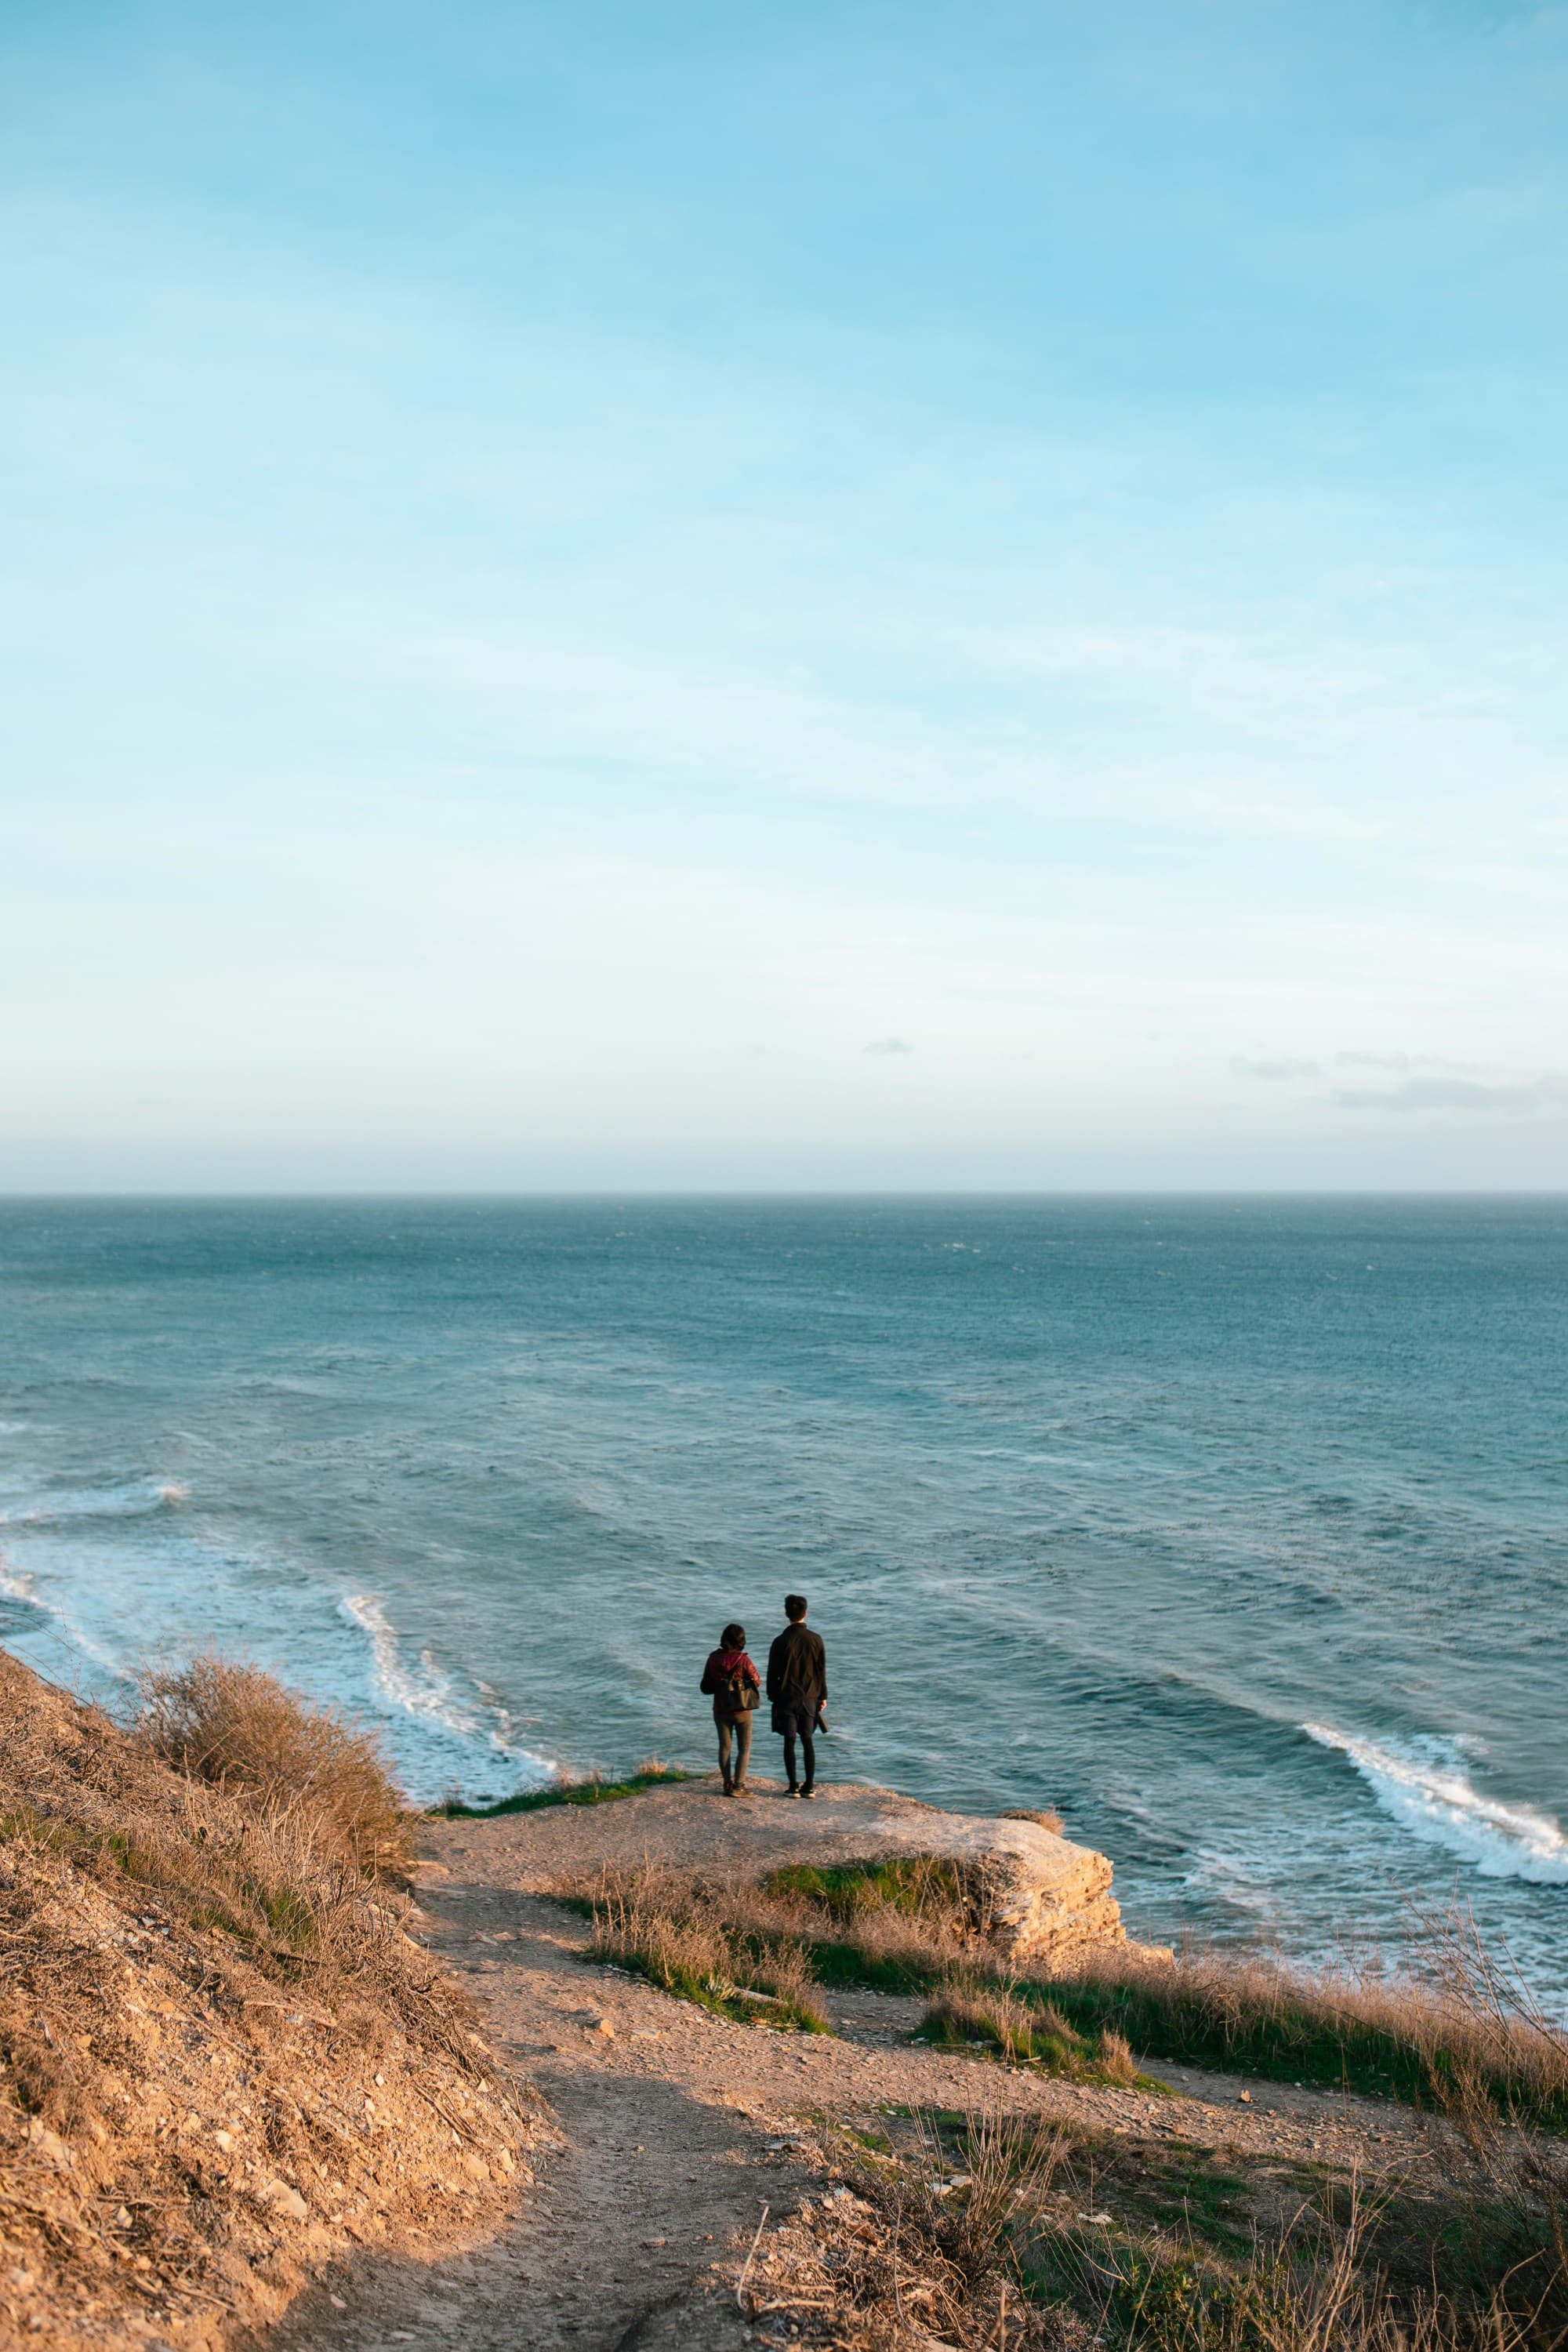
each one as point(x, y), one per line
point(1438, 1804)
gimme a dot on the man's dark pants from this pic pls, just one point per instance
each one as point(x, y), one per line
point(797, 1723)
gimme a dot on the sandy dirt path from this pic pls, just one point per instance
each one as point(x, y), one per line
point(676, 2129)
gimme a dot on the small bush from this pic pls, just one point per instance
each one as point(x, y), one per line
point(240, 1730)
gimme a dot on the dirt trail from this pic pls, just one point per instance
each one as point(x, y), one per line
point(676, 2129)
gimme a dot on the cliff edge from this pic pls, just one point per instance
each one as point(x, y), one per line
point(1032, 1894)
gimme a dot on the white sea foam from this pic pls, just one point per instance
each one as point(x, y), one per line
point(1437, 1802)
point(454, 1726)
point(15, 1584)
point(429, 1693)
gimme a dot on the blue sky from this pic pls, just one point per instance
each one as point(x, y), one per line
point(785, 596)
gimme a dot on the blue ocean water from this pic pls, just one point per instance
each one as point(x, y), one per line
point(1235, 1528)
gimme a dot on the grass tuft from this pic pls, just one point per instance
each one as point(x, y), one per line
point(644, 1920)
point(1007, 2023)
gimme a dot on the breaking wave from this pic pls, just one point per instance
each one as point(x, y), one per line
point(427, 1694)
point(1437, 1802)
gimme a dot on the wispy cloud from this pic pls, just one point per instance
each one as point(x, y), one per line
point(889, 1045)
point(1456, 1094)
point(1286, 1065)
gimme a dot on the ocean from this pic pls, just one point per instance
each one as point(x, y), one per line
point(1233, 1528)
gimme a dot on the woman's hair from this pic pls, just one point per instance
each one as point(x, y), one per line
point(733, 1637)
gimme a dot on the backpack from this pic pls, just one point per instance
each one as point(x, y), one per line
point(735, 1694)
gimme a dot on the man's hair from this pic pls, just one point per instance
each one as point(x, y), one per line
point(795, 1607)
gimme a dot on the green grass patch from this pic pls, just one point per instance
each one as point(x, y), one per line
point(1182, 2188)
point(836, 1963)
point(1160, 2301)
point(566, 1792)
point(912, 1884)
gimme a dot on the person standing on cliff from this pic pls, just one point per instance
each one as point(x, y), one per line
point(734, 1683)
point(797, 1688)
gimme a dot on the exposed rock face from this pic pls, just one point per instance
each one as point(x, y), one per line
point(1038, 1896)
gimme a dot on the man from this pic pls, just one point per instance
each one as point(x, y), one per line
point(797, 1687)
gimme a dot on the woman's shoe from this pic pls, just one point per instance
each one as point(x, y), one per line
point(792, 1790)
point(809, 1789)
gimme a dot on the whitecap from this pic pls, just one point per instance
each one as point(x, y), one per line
point(1437, 1802)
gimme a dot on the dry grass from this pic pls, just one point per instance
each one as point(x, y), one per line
point(1466, 2038)
point(992, 2232)
point(646, 1920)
point(222, 2059)
point(240, 1730)
point(977, 2012)
point(913, 2255)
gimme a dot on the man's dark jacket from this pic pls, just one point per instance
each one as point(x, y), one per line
point(797, 1671)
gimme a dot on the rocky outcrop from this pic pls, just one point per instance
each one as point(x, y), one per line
point(1037, 1896)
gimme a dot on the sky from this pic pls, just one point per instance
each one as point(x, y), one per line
point(794, 595)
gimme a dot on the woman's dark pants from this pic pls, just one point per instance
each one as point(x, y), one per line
point(737, 1727)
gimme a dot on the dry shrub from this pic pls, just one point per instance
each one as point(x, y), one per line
point(916, 2254)
point(1044, 1820)
point(241, 1729)
point(1115, 2057)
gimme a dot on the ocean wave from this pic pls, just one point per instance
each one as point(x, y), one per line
point(1437, 1802)
point(130, 1500)
point(17, 1585)
point(429, 1694)
point(433, 1699)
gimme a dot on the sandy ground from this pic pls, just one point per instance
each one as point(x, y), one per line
point(677, 2129)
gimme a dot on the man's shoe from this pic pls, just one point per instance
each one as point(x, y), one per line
point(792, 1790)
point(808, 1791)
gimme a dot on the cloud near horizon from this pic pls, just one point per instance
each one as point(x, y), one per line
point(1550, 1092)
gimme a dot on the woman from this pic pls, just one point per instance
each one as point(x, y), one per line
point(735, 1687)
